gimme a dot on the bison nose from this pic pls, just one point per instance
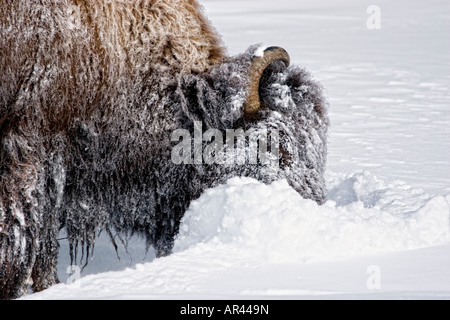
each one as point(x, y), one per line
point(258, 65)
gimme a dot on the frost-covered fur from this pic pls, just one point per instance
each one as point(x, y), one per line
point(90, 92)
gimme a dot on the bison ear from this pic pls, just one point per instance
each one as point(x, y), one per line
point(258, 65)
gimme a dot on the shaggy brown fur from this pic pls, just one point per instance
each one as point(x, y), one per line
point(90, 91)
point(61, 62)
point(71, 43)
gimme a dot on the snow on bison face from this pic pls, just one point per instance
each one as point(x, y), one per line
point(91, 93)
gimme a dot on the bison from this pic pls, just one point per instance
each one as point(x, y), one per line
point(91, 92)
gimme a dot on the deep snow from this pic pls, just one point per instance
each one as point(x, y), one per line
point(388, 173)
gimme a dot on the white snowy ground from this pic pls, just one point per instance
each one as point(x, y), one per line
point(384, 233)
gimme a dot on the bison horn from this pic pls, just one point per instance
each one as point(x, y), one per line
point(258, 66)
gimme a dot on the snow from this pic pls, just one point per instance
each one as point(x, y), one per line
point(260, 51)
point(289, 229)
point(384, 232)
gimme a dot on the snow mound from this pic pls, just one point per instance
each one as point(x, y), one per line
point(274, 223)
point(248, 239)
